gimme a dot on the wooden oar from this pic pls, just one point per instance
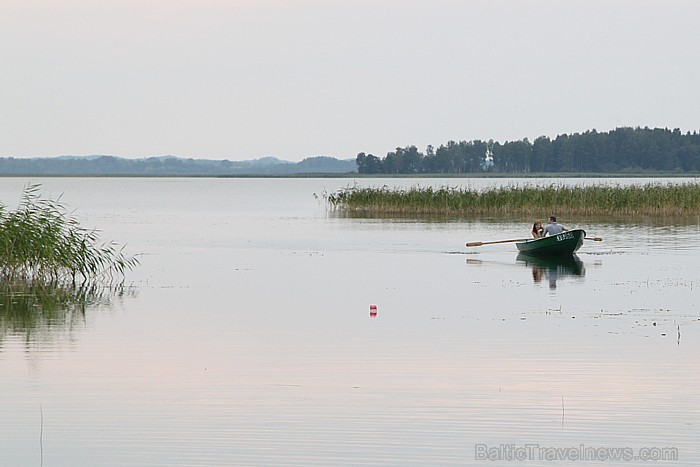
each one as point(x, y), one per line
point(595, 239)
point(500, 241)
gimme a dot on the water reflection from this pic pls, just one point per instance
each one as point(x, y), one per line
point(552, 268)
point(208, 367)
point(39, 310)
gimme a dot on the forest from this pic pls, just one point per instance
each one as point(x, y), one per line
point(619, 151)
point(623, 150)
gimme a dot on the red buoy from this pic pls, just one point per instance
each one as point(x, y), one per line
point(373, 311)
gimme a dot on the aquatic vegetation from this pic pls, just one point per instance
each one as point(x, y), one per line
point(644, 200)
point(42, 242)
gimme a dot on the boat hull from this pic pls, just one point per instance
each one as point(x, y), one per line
point(563, 244)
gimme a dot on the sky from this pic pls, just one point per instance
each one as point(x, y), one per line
point(244, 79)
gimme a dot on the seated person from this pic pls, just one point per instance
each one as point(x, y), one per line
point(537, 230)
point(553, 228)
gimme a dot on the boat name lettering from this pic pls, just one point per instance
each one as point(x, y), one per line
point(565, 236)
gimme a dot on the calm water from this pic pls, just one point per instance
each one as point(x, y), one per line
point(244, 338)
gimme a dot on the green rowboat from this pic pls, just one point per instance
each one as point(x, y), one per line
point(563, 244)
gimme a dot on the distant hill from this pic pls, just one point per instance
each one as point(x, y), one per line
point(170, 165)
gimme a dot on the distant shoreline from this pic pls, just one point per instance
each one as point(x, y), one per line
point(369, 176)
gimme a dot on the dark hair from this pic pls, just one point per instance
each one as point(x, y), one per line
point(553, 218)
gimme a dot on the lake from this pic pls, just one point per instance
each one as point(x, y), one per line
point(245, 337)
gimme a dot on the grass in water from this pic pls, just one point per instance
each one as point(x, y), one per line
point(646, 200)
point(41, 242)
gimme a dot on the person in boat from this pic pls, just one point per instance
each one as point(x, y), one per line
point(537, 230)
point(553, 228)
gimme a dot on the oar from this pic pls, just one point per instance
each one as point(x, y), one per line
point(595, 239)
point(500, 241)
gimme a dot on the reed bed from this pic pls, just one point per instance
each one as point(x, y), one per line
point(642, 200)
point(41, 241)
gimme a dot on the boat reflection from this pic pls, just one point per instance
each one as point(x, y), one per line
point(552, 268)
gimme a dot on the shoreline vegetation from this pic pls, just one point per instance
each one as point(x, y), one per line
point(41, 243)
point(647, 200)
point(355, 175)
point(623, 151)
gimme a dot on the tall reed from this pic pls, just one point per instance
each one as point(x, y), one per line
point(650, 199)
point(41, 241)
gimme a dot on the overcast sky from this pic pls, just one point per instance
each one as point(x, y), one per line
point(243, 79)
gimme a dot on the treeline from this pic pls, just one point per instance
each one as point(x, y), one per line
point(626, 150)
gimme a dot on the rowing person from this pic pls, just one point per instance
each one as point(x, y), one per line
point(552, 228)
